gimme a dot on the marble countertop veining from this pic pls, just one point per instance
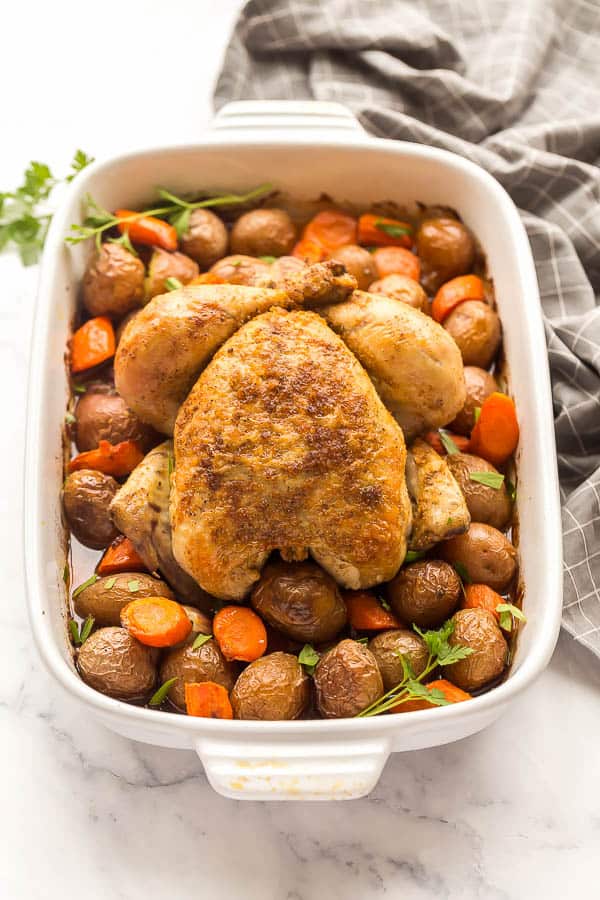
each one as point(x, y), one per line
point(513, 812)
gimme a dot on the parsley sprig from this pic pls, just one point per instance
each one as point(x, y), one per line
point(441, 653)
point(24, 213)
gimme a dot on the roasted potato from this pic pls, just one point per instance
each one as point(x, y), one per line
point(241, 270)
point(201, 623)
point(300, 600)
point(347, 680)
point(484, 553)
point(285, 266)
point(263, 232)
point(114, 663)
point(424, 593)
point(205, 663)
point(206, 238)
point(271, 688)
point(446, 249)
point(104, 416)
point(486, 504)
point(358, 262)
point(475, 327)
point(165, 265)
point(386, 646)
point(105, 598)
point(113, 283)
point(479, 384)
point(402, 288)
point(478, 629)
point(87, 495)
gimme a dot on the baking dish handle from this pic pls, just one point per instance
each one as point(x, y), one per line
point(294, 770)
point(266, 118)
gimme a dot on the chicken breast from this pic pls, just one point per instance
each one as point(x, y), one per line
point(165, 347)
point(439, 507)
point(413, 362)
point(140, 510)
point(283, 444)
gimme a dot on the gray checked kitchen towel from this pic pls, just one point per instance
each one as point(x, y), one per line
point(515, 86)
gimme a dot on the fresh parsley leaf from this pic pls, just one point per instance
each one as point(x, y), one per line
point(70, 418)
point(437, 641)
point(447, 442)
point(511, 490)
point(125, 242)
point(200, 640)
point(86, 629)
point(407, 669)
point(461, 571)
point(490, 479)
point(362, 640)
point(268, 259)
point(181, 221)
point(385, 604)
point(308, 657)
point(92, 580)
point(79, 388)
point(66, 573)
point(453, 654)
point(173, 284)
point(507, 611)
point(74, 630)
point(158, 698)
point(79, 162)
point(413, 555)
point(133, 586)
point(476, 414)
point(449, 520)
point(110, 583)
point(392, 229)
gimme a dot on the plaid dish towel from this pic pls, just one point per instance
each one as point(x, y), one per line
point(514, 86)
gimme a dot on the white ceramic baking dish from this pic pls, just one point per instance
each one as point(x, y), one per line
point(304, 148)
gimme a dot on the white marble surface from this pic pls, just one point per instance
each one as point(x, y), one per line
point(511, 813)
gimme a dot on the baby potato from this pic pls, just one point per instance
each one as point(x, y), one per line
point(446, 249)
point(104, 416)
point(386, 648)
point(358, 262)
point(106, 597)
point(402, 288)
point(206, 238)
point(486, 504)
point(165, 265)
point(241, 270)
point(113, 283)
point(484, 553)
point(114, 663)
point(475, 327)
point(347, 680)
point(263, 232)
point(205, 663)
point(272, 688)
point(87, 495)
point(479, 384)
point(424, 593)
point(477, 628)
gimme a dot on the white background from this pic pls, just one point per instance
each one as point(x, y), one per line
point(511, 813)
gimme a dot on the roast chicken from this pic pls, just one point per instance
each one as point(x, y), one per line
point(439, 507)
point(283, 444)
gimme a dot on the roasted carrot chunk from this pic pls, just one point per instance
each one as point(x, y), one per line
point(207, 700)
point(120, 556)
point(496, 432)
point(309, 251)
point(331, 229)
point(451, 693)
point(92, 344)
point(380, 231)
point(147, 230)
point(207, 278)
point(156, 621)
point(397, 261)
point(455, 291)
point(112, 459)
point(481, 596)
point(240, 633)
point(366, 613)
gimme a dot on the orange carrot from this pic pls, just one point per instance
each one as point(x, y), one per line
point(433, 439)
point(383, 232)
point(120, 556)
point(240, 633)
point(112, 459)
point(207, 700)
point(481, 596)
point(207, 278)
point(309, 251)
point(365, 612)
point(147, 230)
point(496, 433)
point(92, 344)
point(397, 261)
point(331, 229)
point(455, 291)
point(156, 621)
point(451, 693)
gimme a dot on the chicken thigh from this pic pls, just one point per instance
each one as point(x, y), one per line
point(166, 345)
point(283, 444)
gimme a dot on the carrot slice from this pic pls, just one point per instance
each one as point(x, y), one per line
point(156, 621)
point(384, 232)
point(112, 459)
point(120, 556)
point(207, 700)
point(207, 278)
point(331, 229)
point(481, 596)
point(147, 230)
point(433, 439)
point(397, 261)
point(92, 344)
point(496, 433)
point(365, 612)
point(310, 251)
point(240, 633)
point(455, 291)
point(449, 690)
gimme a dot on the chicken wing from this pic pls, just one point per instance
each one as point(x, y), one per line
point(439, 508)
point(283, 444)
